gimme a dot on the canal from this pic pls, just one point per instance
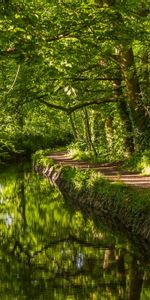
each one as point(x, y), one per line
point(51, 249)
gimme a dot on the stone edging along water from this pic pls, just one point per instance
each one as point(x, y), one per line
point(127, 205)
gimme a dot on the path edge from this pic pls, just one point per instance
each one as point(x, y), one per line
point(119, 202)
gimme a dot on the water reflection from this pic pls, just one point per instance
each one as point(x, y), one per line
point(50, 251)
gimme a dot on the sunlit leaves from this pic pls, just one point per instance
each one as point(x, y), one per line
point(67, 52)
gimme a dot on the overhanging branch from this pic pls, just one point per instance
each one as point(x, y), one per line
point(51, 105)
point(70, 110)
point(90, 103)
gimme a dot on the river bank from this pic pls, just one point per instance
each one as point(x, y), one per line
point(127, 205)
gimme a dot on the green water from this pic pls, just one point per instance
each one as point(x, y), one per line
point(49, 249)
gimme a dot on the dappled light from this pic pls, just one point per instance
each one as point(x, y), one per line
point(74, 109)
point(109, 170)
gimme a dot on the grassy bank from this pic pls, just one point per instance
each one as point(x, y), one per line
point(127, 205)
point(130, 206)
point(138, 162)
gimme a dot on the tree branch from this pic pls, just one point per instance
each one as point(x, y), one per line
point(85, 78)
point(89, 103)
point(77, 106)
point(15, 79)
point(51, 105)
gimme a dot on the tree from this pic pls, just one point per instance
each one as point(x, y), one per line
point(73, 56)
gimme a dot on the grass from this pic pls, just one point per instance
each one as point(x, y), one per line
point(130, 206)
point(85, 155)
point(78, 151)
point(40, 158)
point(138, 162)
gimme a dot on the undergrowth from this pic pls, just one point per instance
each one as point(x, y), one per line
point(40, 158)
point(79, 152)
point(139, 162)
point(128, 205)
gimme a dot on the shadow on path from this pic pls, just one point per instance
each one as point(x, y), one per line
point(109, 170)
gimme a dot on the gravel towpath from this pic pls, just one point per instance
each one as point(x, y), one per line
point(109, 170)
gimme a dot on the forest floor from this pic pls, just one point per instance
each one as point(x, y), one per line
point(109, 170)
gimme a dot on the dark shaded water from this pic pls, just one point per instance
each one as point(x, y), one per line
point(50, 251)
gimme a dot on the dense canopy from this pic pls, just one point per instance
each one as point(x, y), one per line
point(75, 71)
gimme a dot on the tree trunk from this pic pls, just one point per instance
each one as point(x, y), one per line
point(89, 142)
point(99, 133)
point(73, 127)
point(136, 281)
point(125, 117)
point(121, 272)
point(109, 134)
point(109, 257)
point(139, 115)
point(144, 70)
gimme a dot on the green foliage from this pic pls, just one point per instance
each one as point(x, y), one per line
point(139, 162)
point(40, 158)
point(78, 150)
point(57, 59)
point(125, 204)
point(78, 154)
point(77, 178)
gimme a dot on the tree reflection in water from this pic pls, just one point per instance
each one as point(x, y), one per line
point(50, 251)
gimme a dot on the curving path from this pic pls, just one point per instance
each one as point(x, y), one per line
point(109, 170)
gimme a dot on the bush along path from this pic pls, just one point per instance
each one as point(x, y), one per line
point(120, 203)
point(109, 170)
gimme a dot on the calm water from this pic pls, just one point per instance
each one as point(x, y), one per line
point(49, 250)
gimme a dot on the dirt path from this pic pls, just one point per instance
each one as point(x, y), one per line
point(109, 170)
